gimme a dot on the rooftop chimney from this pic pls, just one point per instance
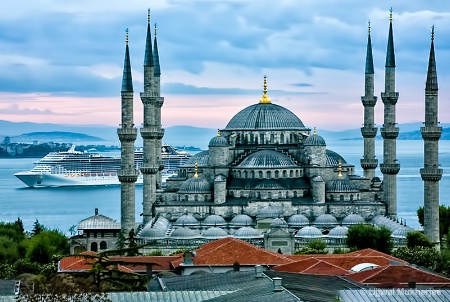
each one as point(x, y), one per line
point(258, 271)
point(277, 284)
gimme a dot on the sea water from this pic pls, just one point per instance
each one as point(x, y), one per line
point(61, 208)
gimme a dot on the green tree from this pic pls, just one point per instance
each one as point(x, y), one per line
point(444, 219)
point(133, 249)
point(315, 246)
point(362, 236)
point(37, 228)
point(43, 246)
point(416, 238)
point(12, 230)
point(423, 256)
point(8, 250)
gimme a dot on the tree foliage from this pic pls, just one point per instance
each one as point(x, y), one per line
point(444, 219)
point(423, 256)
point(315, 246)
point(363, 236)
point(37, 228)
point(43, 246)
point(416, 238)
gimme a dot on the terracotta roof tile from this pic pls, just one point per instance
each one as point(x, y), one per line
point(312, 266)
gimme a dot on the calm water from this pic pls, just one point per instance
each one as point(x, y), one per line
point(60, 208)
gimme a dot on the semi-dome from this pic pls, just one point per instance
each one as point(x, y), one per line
point(183, 233)
point(265, 116)
point(241, 220)
point(214, 220)
point(246, 232)
point(297, 220)
point(338, 232)
point(218, 141)
point(267, 159)
point(340, 185)
point(200, 158)
point(278, 223)
point(195, 185)
point(186, 220)
point(309, 232)
point(334, 158)
point(270, 212)
point(314, 140)
point(325, 220)
point(353, 219)
point(214, 233)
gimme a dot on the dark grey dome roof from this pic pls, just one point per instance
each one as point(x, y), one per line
point(340, 185)
point(270, 212)
point(214, 220)
point(98, 222)
point(278, 223)
point(214, 233)
point(265, 117)
point(241, 220)
point(353, 219)
point(200, 158)
point(309, 232)
point(333, 158)
point(246, 232)
point(298, 220)
point(183, 233)
point(314, 140)
point(267, 159)
point(401, 233)
point(151, 233)
point(269, 184)
point(381, 221)
point(186, 220)
point(195, 185)
point(325, 220)
point(218, 141)
point(338, 232)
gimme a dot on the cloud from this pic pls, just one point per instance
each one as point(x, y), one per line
point(15, 110)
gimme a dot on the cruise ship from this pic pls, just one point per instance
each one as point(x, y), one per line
point(76, 168)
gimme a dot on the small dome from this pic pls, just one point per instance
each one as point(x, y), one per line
point(267, 159)
point(200, 158)
point(340, 185)
point(98, 222)
point(401, 233)
point(270, 212)
point(298, 220)
point(338, 232)
point(317, 179)
point(220, 177)
point(214, 233)
point(218, 141)
point(151, 233)
point(314, 140)
point(241, 220)
point(246, 232)
point(278, 223)
point(353, 219)
point(183, 233)
point(269, 184)
point(186, 220)
point(214, 220)
point(309, 232)
point(195, 185)
point(161, 223)
point(325, 220)
point(376, 179)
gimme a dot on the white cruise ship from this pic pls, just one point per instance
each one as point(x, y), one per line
point(75, 168)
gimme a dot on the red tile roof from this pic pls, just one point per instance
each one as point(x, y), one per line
point(227, 251)
point(312, 266)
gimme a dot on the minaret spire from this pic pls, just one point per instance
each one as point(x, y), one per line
point(390, 166)
point(431, 133)
point(148, 57)
point(369, 163)
point(127, 135)
point(156, 56)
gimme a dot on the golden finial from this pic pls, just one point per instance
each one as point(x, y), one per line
point(432, 33)
point(369, 27)
point(155, 30)
point(196, 170)
point(315, 133)
point(265, 99)
point(218, 132)
point(126, 36)
point(390, 15)
point(340, 169)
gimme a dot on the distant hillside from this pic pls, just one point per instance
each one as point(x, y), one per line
point(55, 136)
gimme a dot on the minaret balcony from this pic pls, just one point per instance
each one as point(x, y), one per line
point(431, 133)
point(151, 97)
point(127, 134)
point(369, 101)
point(369, 163)
point(369, 132)
point(389, 98)
point(149, 169)
point(152, 132)
point(390, 168)
point(431, 174)
point(127, 175)
point(389, 132)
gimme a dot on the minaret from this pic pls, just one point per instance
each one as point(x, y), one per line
point(431, 133)
point(151, 131)
point(390, 166)
point(127, 135)
point(369, 163)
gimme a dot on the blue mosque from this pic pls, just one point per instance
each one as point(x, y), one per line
point(266, 177)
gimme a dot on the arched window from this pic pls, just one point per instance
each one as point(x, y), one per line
point(103, 245)
point(284, 173)
point(186, 198)
point(241, 194)
point(251, 138)
point(196, 197)
point(269, 195)
point(206, 198)
point(282, 138)
point(295, 194)
point(279, 194)
point(269, 174)
point(296, 173)
point(341, 197)
point(261, 138)
point(291, 173)
point(277, 174)
point(252, 174)
point(331, 197)
point(272, 138)
point(351, 197)
point(287, 194)
point(94, 247)
point(258, 195)
point(246, 174)
point(260, 174)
